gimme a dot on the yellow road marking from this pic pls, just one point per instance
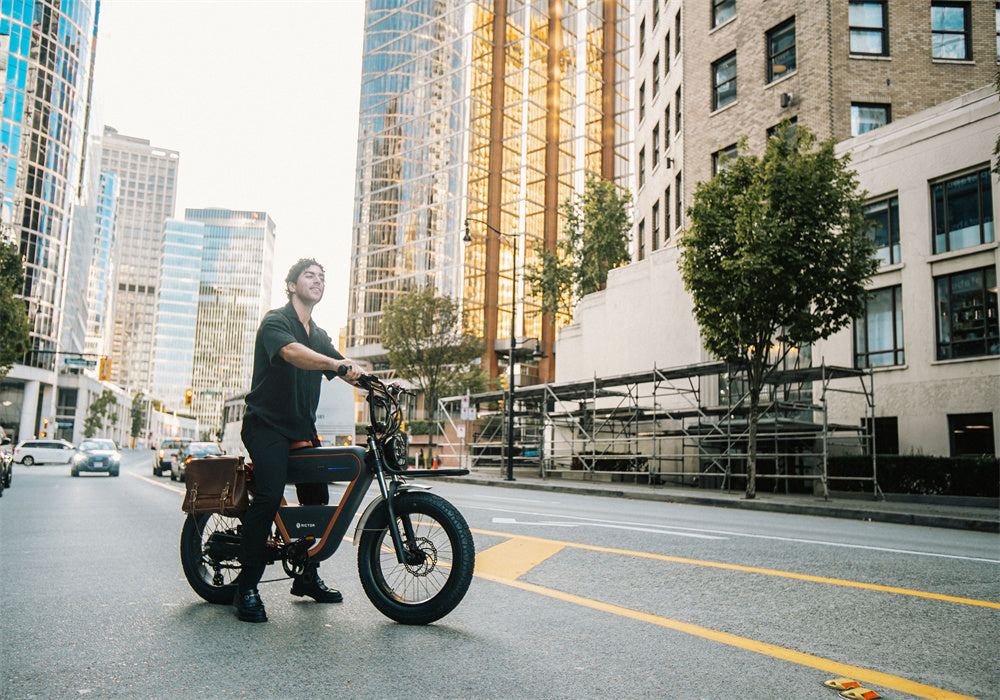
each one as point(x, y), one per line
point(833, 667)
point(515, 557)
point(754, 570)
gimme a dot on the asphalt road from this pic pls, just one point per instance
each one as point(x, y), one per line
point(575, 597)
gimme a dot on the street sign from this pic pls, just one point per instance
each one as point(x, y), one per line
point(80, 362)
point(64, 423)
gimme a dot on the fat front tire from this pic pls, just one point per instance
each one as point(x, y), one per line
point(209, 545)
point(420, 593)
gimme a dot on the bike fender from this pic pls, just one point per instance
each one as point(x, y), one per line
point(374, 506)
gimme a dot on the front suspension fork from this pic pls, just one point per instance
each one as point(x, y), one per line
point(406, 552)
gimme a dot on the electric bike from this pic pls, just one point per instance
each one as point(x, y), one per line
point(415, 552)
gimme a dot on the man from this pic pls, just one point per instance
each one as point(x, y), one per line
point(291, 356)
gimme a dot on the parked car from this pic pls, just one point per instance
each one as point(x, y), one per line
point(193, 450)
point(167, 456)
point(43, 451)
point(96, 455)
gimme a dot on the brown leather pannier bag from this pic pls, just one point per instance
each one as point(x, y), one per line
point(216, 485)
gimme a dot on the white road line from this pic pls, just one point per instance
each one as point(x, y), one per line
point(726, 533)
point(654, 530)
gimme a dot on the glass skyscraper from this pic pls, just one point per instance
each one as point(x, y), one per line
point(234, 293)
point(177, 311)
point(42, 133)
point(454, 124)
point(100, 281)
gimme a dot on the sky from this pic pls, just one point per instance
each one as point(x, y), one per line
point(260, 98)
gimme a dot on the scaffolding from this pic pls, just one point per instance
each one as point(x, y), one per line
point(684, 426)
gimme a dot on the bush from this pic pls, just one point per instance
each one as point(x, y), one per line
point(423, 427)
point(921, 475)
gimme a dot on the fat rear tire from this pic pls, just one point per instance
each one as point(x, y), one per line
point(211, 577)
point(417, 594)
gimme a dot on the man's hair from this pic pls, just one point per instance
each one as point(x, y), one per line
point(296, 270)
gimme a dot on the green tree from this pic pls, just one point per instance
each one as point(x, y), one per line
point(594, 241)
point(138, 413)
point(426, 342)
point(776, 256)
point(99, 411)
point(14, 323)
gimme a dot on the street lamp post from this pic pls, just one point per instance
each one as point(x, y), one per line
point(513, 341)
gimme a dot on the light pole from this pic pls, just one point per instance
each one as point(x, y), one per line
point(513, 339)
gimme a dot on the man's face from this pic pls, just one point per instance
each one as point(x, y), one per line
point(310, 285)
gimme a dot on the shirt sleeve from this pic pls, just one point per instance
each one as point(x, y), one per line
point(325, 346)
point(274, 334)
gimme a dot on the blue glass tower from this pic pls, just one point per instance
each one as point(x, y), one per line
point(177, 311)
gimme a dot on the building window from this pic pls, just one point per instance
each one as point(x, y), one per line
point(656, 74)
point(724, 81)
point(722, 10)
point(790, 134)
point(666, 54)
point(950, 30)
point(666, 128)
point(886, 434)
point(666, 216)
point(971, 434)
point(998, 30)
point(677, 33)
point(642, 166)
point(723, 158)
point(679, 198)
point(656, 145)
point(878, 334)
point(883, 218)
point(962, 211)
point(677, 111)
point(869, 29)
point(642, 101)
point(642, 239)
point(967, 314)
point(867, 116)
point(642, 35)
point(655, 220)
point(780, 50)
point(656, 12)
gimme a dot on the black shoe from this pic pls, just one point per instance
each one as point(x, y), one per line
point(249, 607)
point(314, 587)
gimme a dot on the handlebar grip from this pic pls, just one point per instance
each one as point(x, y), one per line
point(342, 371)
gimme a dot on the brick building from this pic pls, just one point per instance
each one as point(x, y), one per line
point(708, 72)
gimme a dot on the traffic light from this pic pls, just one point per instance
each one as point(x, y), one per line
point(45, 427)
point(104, 369)
point(188, 397)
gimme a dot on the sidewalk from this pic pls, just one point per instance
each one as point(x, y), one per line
point(955, 513)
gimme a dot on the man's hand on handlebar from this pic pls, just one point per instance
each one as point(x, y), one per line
point(349, 370)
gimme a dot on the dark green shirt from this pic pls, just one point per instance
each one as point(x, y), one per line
point(282, 395)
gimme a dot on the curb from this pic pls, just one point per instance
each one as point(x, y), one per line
point(950, 521)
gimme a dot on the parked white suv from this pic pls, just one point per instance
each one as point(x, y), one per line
point(41, 451)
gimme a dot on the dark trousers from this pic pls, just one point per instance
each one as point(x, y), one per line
point(269, 455)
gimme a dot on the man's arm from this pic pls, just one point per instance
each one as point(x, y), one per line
point(298, 355)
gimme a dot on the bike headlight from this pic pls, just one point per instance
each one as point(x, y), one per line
point(395, 450)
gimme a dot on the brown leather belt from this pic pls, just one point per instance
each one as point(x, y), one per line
point(299, 444)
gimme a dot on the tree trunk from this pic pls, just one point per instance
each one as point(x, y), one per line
point(755, 384)
point(752, 449)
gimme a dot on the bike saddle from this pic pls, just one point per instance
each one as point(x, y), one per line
point(324, 464)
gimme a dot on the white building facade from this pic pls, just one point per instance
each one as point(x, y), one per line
point(931, 329)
